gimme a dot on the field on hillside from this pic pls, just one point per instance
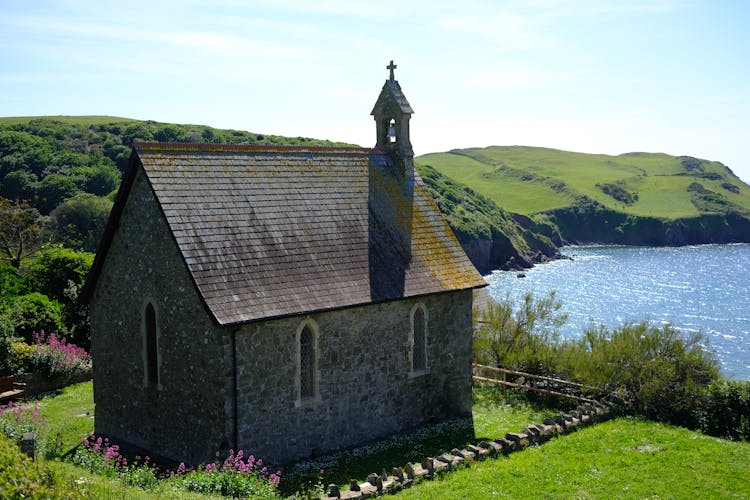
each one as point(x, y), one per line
point(75, 120)
point(528, 180)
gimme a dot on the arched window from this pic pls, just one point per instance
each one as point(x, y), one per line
point(307, 362)
point(418, 339)
point(152, 361)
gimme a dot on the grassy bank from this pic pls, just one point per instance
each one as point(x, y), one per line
point(624, 458)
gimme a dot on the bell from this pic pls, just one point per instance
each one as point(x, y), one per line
point(391, 131)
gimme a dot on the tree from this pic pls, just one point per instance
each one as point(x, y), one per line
point(79, 222)
point(53, 190)
point(99, 179)
point(23, 151)
point(18, 185)
point(520, 339)
point(59, 273)
point(13, 283)
point(35, 312)
point(20, 231)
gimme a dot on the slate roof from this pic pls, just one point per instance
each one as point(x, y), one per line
point(275, 231)
point(393, 89)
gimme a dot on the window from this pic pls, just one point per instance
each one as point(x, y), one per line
point(307, 362)
point(418, 340)
point(152, 361)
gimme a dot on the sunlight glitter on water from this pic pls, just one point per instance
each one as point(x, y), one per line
point(705, 288)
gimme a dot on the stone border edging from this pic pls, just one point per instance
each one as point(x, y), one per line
point(400, 478)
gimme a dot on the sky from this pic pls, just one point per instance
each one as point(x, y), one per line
point(594, 76)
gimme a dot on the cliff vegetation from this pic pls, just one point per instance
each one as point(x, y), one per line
point(632, 199)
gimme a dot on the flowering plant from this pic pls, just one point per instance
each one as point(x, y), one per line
point(54, 356)
point(102, 457)
point(236, 476)
point(17, 419)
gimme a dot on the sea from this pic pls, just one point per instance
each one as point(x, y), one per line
point(702, 288)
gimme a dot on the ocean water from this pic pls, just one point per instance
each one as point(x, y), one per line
point(697, 288)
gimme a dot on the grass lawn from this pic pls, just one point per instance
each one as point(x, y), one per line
point(94, 486)
point(70, 416)
point(623, 458)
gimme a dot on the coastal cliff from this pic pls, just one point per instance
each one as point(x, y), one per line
point(595, 224)
point(540, 199)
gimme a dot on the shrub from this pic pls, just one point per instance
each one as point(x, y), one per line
point(235, 476)
point(525, 339)
point(20, 477)
point(101, 457)
point(19, 358)
point(53, 356)
point(724, 410)
point(60, 273)
point(661, 372)
point(618, 193)
point(7, 337)
point(13, 284)
point(34, 312)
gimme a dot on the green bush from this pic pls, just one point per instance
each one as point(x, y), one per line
point(13, 284)
point(19, 357)
point(35, 312)
point(661, 372)
point(59, 273)
point(22, 478)
point(525, 339)
point(55, 269)
point(7, 337)
point(724, 410)
point(79, 222)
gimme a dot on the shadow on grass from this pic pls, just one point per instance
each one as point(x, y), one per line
point(428, 441)
point(356, 463)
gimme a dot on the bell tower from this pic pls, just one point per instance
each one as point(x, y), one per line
point(392, 113)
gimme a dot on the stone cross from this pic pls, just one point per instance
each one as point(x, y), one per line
point(391, 67)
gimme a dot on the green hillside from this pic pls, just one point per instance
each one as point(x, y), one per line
point(60, 173)
point(510, 207)
point(631, 199)
point(529, 180)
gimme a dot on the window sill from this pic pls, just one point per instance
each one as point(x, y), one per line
point(307, 402)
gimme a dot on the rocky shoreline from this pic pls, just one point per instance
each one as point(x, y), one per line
point(603, 227)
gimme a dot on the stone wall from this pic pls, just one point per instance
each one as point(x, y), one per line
point(365, 389)
point(184, 418)
point(236, 387)
point(429, 468)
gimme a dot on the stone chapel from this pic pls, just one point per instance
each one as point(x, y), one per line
point(287, 301)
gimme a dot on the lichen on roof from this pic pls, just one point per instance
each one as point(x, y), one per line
point(275, 231)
